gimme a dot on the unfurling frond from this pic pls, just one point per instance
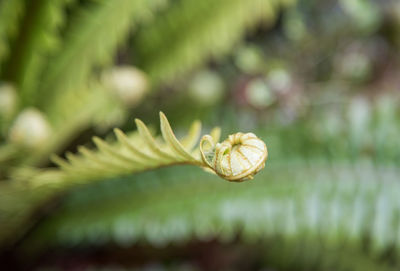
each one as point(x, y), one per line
point(141, 151)
point(238, 158)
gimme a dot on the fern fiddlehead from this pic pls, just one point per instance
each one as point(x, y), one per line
point(236, 159)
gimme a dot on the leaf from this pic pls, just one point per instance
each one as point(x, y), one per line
point(91, 41)
point(191, 32)
point(334, 207)
point(171, 140)
point(137, 152)
point(151, 143)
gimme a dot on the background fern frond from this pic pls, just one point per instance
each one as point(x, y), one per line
point(333, 207)
point(191, 32)
point(71, 71)
point(91, 41)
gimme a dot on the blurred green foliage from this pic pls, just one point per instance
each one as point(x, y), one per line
point(317, 80)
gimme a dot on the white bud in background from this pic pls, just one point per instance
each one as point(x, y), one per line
point(8, 100)
point(258, 94)
point(280, 80)
point(127, 83)
point(30, 129)
point(206, 88)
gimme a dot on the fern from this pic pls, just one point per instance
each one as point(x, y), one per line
point(127, 157)
point(333, 208)
point(192, 31)
point(91, 41)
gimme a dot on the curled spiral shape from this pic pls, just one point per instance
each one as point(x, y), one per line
point(236, 159)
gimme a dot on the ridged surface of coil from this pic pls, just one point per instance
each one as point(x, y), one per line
point(236, 159)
